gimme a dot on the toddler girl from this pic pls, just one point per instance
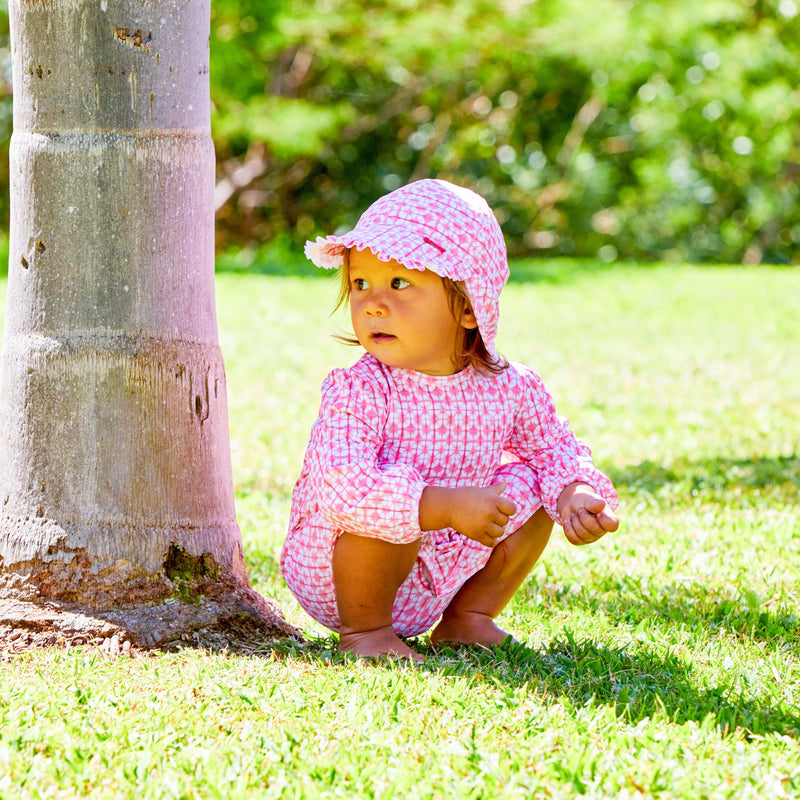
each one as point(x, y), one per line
point(435, 467)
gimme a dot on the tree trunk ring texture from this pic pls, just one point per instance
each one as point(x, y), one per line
point(116, 493)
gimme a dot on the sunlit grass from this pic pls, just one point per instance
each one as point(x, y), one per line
point(660, 662)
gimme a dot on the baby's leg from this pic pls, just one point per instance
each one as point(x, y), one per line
point(469, 618)
point(367, 573)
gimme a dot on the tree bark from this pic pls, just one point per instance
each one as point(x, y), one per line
point(116, 494)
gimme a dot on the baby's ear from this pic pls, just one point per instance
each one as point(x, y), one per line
point(468, 320)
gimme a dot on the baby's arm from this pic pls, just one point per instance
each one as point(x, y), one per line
point(587, 516)
point(476, 512)
point(561, 462)
point(353, 491)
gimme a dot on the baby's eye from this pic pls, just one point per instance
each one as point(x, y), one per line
point(359, 284)
point(400, 283)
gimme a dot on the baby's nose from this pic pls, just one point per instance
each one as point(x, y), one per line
point(376, 306)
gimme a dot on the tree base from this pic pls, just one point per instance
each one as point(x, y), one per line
point(238, 620)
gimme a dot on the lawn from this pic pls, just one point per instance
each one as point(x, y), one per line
point(660, 662)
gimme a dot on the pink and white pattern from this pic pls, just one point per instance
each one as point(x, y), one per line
point(384, 434)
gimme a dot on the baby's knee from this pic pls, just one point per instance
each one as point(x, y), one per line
point(538, 526)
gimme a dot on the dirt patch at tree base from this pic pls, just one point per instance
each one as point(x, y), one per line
point(240, 622)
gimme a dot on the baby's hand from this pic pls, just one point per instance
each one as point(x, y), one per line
point(586, 515)
point(482, 514)
point(477, 512)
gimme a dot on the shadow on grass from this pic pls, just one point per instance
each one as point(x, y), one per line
point(713, 475)
point(633, 602)
point(638, 685)
point(735, 607)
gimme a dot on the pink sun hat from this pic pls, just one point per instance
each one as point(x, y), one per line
point(432, 224)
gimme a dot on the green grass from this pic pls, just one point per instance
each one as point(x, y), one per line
point(659, 662)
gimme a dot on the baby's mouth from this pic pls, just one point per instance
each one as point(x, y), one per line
point(381, 336)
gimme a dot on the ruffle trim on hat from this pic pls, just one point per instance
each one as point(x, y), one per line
point(327, 252)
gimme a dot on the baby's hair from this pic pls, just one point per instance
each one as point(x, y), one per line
point(470, 351)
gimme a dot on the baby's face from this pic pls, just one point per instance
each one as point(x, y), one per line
point(401, 316)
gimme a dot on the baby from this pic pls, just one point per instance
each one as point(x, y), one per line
point(435, 467)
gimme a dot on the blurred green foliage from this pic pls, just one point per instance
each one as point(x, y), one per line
point(649, 129)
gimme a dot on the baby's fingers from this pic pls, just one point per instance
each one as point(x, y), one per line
point(588, 522)
point(507, 507)
point(608, 521)
point(489, 536)
point(583, 527)
point(504, 504)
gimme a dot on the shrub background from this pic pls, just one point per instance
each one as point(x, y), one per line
point(649, 130)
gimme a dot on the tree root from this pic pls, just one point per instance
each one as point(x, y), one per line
point(238, 620)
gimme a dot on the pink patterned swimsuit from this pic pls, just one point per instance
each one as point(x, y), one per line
point(383, 435)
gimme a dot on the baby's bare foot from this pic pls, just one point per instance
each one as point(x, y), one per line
point(468, 627)
point(377, 643)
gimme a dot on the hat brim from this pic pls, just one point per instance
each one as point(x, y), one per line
point(390, 242)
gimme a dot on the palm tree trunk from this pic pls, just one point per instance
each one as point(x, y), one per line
point(116, 493)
